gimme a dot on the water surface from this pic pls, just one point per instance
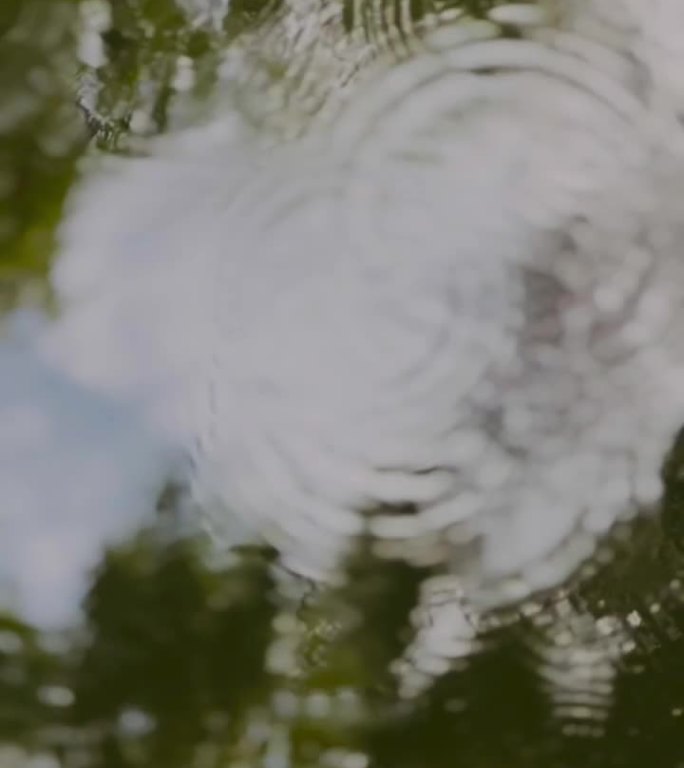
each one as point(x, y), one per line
point(339, 380)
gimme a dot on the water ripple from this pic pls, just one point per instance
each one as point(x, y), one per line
point(445, 315)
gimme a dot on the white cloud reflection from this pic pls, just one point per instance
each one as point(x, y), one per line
point(76, 470)
point(463, 295)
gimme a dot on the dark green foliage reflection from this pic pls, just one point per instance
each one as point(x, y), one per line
point(183, 662)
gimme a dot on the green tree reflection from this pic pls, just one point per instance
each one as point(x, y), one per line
point(171, 668)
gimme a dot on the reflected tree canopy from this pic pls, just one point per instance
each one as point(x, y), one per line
point(185, 659)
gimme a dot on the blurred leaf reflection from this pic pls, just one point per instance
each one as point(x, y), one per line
point(184, 661)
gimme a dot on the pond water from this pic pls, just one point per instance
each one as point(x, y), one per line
point(341, 381)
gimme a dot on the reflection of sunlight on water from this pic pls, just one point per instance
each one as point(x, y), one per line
point(442, 315)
